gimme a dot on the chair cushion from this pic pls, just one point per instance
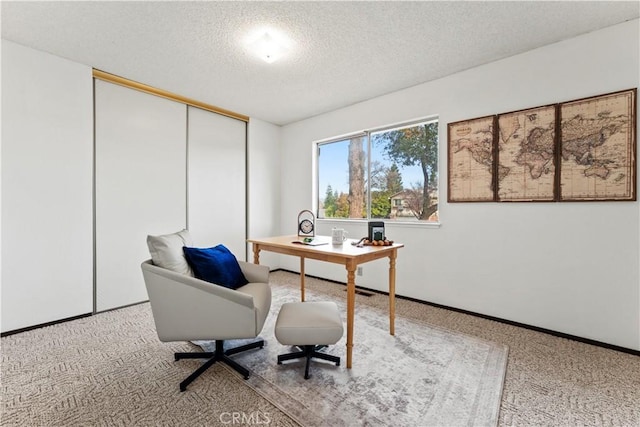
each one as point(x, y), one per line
point(309, 323)
point(216, 265)
point(166, 251)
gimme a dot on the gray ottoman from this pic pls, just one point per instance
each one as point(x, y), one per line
point(311, 326)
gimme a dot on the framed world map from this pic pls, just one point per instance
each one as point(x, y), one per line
point(471, 160)
point(598, 148)
point(526, 155)
point(582, 150)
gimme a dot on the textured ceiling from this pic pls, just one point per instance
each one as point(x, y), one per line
point(340, 52)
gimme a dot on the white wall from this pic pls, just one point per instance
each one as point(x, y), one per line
point(47, 155)
point(568, 267)
point(264, 195)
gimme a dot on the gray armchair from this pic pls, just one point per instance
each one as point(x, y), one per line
point(185, 309)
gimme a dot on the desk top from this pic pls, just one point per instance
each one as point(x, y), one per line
point(284, 244)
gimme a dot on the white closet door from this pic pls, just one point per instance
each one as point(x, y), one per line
point(47, 219)
point(217, 181)
point(140, 185)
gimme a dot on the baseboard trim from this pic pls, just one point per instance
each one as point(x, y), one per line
point(44, 325)
point(484, 316)
point(66, 319)
point(122, 306)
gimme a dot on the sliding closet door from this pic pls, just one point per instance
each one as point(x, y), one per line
point(47, 130)
point(217, 181)
point(140, 173)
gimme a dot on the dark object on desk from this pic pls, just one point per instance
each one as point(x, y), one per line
point(376, 230)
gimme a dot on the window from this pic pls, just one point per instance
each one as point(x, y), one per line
point(389, 173)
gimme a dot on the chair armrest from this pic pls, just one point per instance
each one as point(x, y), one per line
point(254, 273)
point(186, 308)
point(210, 288)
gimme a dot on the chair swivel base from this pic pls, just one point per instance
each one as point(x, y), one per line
point(309, 351)
point(220, 355)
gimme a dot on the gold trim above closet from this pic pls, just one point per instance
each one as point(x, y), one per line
point(164, 94)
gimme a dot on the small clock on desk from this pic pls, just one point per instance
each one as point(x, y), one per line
point(306, 224)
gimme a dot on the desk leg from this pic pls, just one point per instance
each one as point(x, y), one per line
point(256, 253)
point(351, 299)
point(392, 291)
point(302, 279)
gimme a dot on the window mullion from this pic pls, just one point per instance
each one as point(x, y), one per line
point(368, 136)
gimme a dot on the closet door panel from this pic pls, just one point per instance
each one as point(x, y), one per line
point(140, 185)
point(217, 181)
point(47, 218)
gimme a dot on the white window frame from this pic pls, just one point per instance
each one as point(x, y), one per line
point(367, 134)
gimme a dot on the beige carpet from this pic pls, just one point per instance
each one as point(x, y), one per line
point(423, 375)
point(110, 369)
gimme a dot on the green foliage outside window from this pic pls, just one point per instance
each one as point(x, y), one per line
point(371, 180)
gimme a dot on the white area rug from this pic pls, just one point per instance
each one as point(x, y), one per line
point(423, 375)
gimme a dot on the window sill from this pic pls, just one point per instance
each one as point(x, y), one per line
point(390, 224)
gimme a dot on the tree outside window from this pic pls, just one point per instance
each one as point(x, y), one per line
point(389, 174)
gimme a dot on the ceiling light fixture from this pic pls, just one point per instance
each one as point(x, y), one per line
point(268, 48)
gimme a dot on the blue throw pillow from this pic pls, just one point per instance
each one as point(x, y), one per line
point(216, 265)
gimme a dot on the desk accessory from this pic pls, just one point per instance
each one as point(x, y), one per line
point(306, 224)
point(376, 230)
point(338, 236)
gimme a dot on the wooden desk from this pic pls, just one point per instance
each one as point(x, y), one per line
point(348, 255)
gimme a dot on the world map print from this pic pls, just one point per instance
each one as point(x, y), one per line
point(471, 160)
point(598, 148)
point(526, 142)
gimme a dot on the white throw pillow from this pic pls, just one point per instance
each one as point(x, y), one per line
point(166, 251)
